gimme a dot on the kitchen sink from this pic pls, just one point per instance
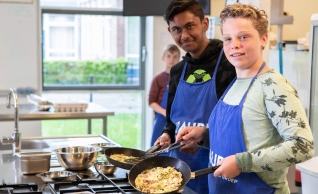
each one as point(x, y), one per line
point(53, 142)
point(27, 144)
point(34, 144)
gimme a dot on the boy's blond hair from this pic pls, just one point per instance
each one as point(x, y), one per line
point(171, 48)
point(238, 10)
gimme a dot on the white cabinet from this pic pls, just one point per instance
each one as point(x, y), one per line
point(309, 176)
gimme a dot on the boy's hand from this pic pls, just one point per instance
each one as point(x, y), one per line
point(191, 134)
point(164, 141)
point(190, 148)
point(228, 168)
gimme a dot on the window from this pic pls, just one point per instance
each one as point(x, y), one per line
point(89, 45)
point(59, 37)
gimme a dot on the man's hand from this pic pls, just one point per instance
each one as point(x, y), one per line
point(164, 140)
point(228, 168)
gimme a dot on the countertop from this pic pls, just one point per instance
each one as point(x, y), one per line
point(11, 173)
point(10, 164)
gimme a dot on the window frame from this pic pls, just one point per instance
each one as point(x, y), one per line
point(98, 11)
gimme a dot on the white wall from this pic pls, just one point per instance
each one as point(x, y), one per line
point(27, 128)
point(20, 48)
point(20, 58)
point(157, 37)
point(302, 11)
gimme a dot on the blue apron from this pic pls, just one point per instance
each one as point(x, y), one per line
point(160, 120)
point(226, 138)
point(192, 106)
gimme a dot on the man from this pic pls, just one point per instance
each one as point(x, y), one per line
point(196, 83)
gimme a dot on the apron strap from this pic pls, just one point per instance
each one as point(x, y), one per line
point(165, 79)
point(217, 64)
point(183, 70)
point(260, 69)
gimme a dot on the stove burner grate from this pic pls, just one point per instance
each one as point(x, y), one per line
point(25, 188)
point(104, 185)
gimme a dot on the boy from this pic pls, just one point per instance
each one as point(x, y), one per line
point(158, 93)
point(259, 127)
point(196, 82)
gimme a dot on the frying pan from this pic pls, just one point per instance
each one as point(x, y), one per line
point(165, 161)
point(127, 152)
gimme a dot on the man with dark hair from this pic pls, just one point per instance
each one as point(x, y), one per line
point(196, 83)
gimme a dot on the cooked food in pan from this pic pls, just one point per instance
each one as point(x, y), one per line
point(159, 180)
point(121, 157)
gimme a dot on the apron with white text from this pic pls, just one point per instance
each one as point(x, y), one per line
point(160, 120)
point(192, 106)
point(226, 138)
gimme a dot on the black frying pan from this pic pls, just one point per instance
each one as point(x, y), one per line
point(165, 161)
point(127, 152)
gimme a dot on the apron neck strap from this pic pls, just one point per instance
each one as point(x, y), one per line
point(217, 64)
point(165, 77)
point(252, 81)
point(183, 70)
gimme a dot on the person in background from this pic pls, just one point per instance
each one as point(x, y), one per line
point(259, 127)
point(158, 93)
point(195, 84)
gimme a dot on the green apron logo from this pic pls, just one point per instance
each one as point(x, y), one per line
point(199, 75)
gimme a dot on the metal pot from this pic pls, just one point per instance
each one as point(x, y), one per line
point(77, 157)
point(34, 162)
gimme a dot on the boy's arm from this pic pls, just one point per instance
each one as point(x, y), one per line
point(157, 108)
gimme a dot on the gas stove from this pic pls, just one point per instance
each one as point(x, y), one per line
point(88, 181)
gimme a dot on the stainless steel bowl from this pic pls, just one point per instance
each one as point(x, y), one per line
point(105, 167)
point(77, 157)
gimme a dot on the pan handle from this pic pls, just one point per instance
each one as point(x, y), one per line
point(153, 148)
point(204, 171)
